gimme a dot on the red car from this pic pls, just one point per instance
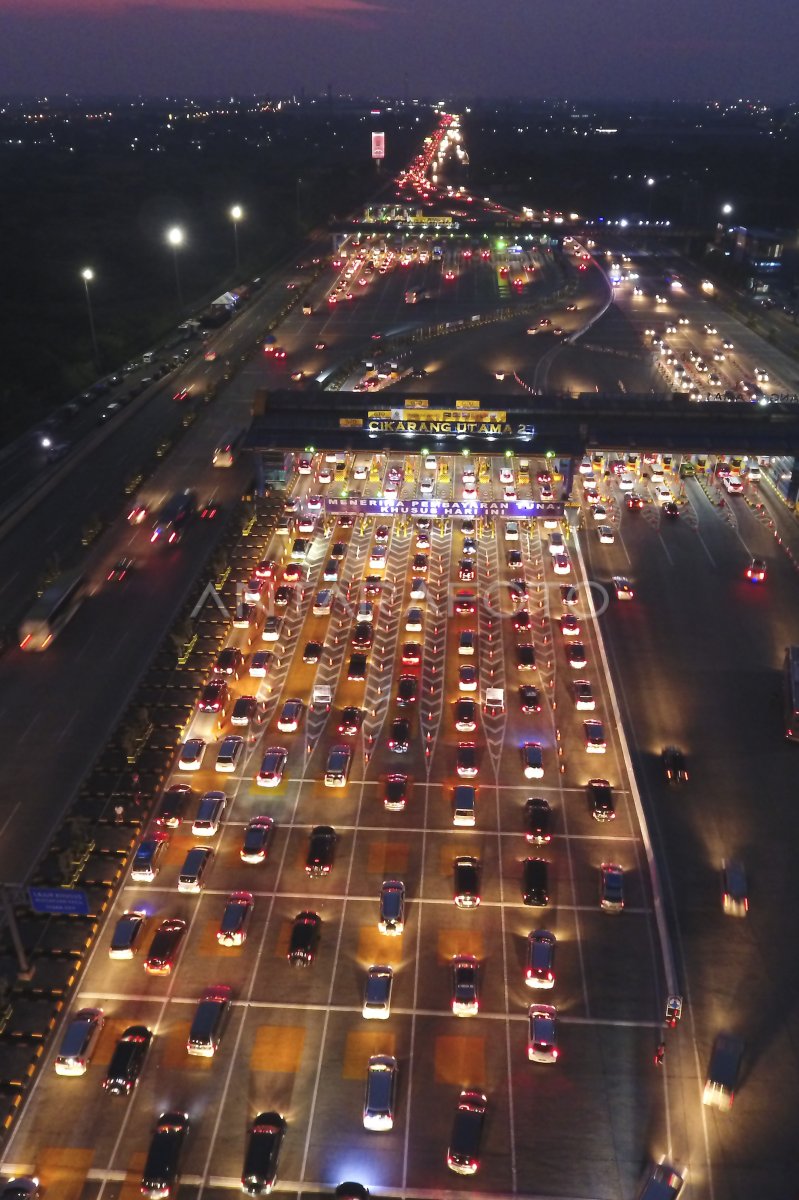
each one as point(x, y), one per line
point(756, 571)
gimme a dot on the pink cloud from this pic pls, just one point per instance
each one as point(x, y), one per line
point(107, 8)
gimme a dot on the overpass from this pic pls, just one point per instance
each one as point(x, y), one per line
point(401, 422)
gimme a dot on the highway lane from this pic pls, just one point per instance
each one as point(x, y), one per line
point(297, 1040)
point(696, 662)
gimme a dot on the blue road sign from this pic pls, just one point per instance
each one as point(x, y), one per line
point(59, 900)
point(512, 510)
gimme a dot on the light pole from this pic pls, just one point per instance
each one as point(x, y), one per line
point(87, 275)
point(236, 213)
point(175, 238)
point(726, 210)
point(299, 185)
point(650, 183)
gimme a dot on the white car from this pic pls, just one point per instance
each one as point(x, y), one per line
point(377, 558)
point(589, 483)
point(656, 475)
point(209, 814)
point(325, 475)
point(586, 467)
point(469, 475)
point(418, 590)
point(191, 756)
point(599, 512)
point(272, 767)
point(626, 483)
point(414, 620)
point(733, 484)
point(606, 535)
point(271, 630)
point(556, 544)
point(467, 678)
point(430, 463)
point(427, 485)
point(314, 504)
point(469, 492)
point(663, 495)
point(561, 564)
point(510, 491)
point(360, 471)
point(542, 1038)
point(505, 475)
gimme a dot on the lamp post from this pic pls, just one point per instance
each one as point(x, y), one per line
point(726, 210)
point(87, 275)
point(175, 238)
point(650, 183)
point(236, 213)
point(299, 185)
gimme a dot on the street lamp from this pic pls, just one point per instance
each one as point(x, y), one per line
point(236, 213)
point(87, 275)
point(175, 237)
point(726, 209)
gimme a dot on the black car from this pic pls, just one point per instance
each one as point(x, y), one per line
point(312, 652)
point(537, 821)
point(257, 836)
point(173, 805)
point(213, 696)
point(362, 635)
point(535, 882)
point(525, 656)
point(263, 1149)
point(127, 1060)
point(466, 891)
point(321, 851)
point(529, 698)
point(229, 662)
point(395, 795)
point(399, 738)
point(351, 720)
point(671, 509)
point(162, 1165)
point(521, 620)
point(674, 765)
point(357, 667)
point(600, 800)
point(518, 590)
point(351, 1191)
point(407, 690)
point(465, 715)
point(304, 939)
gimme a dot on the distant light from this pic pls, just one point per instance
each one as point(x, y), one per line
point(236, 212)
point(175, 236)
point(88, 274)
point(726, 209)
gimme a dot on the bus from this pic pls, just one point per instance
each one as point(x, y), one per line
point(51, 611)
point(229, 444)
point(790, 678)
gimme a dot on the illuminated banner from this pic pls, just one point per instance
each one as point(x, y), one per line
point(387, 506)
point(378, 145)
point(402, 420)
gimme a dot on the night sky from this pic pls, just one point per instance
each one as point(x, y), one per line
point(619, 49)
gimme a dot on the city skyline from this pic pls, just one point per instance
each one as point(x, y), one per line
point(412, 47)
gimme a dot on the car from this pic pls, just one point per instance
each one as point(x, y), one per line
point(356, 671)
point(599, 512)
point(266, 569)
point(463, 1152)
point(611, 887)
point(532, 760)
point(465, 603)
point(465, 1000)
point(422, 540)
point(626, 483)
point(537, 821)
point(407, 690)
point(290, 714)
point(209, 813)
point(271, 629)
point(672, 509)
point(622, 587)
point(311, 653)
point(284, 595)
point(529, 698)
point(465, 715)
point(583, 695)
point(247, 711)
point(230, 751)
point(733, 484)
point(756, 571)
point(128, 932)
point(469, 548)
point(634, 501)
point(466, 884)
point(232, 929)
point(120, 570)
point(260, 663)
point(169, 813)
point(467, 677)
point(466, 760)
point(350, 1190)
point(606, 535)
point(214, 696)
point(395, 791)
point(272, 766)
point(600, 800)
point(414, 620)
point(362, 635)
point(525, 656)
point(419, 564)
point(542, 1035)
point(254, 589)
point(540, 969)
point(521, 620)
point(127, 1060)
point(137, 514)
point(411, 653)
point(515, 561)
point(466, 570)
point(418, 590)
point(561, 564)
point(569, 594)
point(674, 765)
point(321, 851)
point(518, 591)
point(392, 907)
point(399, 738)
point(209, 510)
point(569, 625)
point(325, 474)
point(594, 735)
point(304, 939)
point(257, 836)
point(292, 573)
point(165, 946)
point(259, 1172)
point(192, 754)
point(377, 993)
point(351, 720)
point(535, 882)
point(160, 1174)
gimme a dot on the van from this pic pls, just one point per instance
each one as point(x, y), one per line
point(192, 873)
point(323, 603)
point(338, 766)
point(79, 1040)
point(210, 1018)
point(381, 1086)
point(734, 898)
point(464, 803)
point(664, 1182)
point(147, 861)
point(722, 1073)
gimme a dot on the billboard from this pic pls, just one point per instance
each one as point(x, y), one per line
point(389, 506)
point(378, 145)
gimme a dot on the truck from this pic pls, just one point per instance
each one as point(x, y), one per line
point(722, 1072)
point(173, 517)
